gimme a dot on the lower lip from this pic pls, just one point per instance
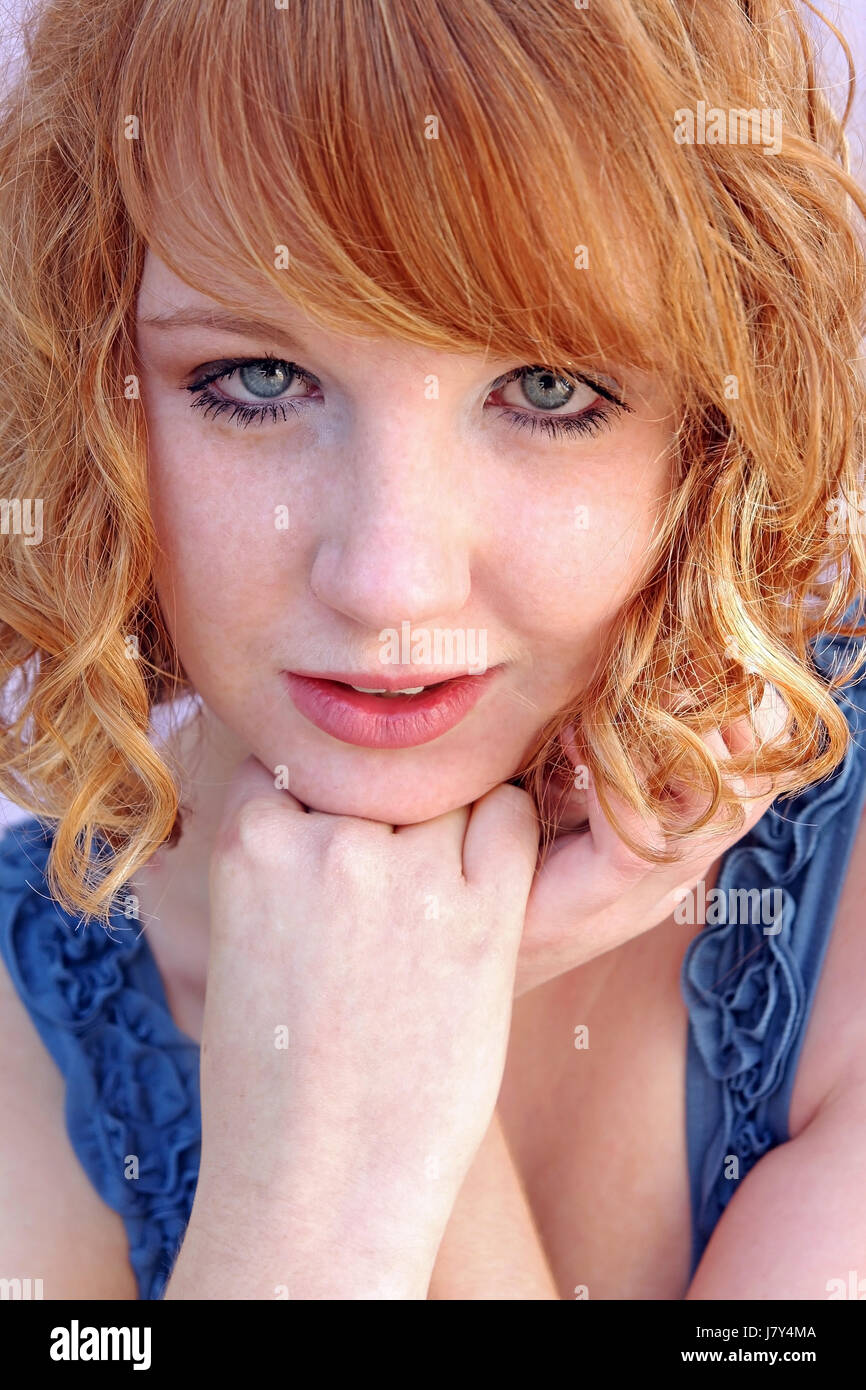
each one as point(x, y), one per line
point(374, 721)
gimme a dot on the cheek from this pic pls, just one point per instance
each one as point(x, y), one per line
point(576, 550)
point(221, 562)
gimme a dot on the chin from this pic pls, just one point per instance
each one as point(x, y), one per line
point(390, 810)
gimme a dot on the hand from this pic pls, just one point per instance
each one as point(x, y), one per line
point(592, 893)
point(387, 957)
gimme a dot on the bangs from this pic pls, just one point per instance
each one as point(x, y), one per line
point(454, 179)
point(501, 177)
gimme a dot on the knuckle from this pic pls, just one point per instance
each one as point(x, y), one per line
point(255, 831)
point(517, 807)
point(517, 797)
point(349, 847)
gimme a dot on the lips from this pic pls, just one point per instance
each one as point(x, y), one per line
point(392, 720)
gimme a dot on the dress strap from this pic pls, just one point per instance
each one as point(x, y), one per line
point(749, 984)
point(97, 1001)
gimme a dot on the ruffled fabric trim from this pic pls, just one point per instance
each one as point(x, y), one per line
point(744, 988)
point(132, 1078)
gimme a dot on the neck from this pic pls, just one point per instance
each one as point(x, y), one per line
point(172, 887)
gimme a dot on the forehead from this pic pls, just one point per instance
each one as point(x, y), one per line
point(467, 242)
point(168, 303)
point(514, 291)
point(168, 296)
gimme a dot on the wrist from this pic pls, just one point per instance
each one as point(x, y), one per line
point(245, 1241)
point(211, 1267)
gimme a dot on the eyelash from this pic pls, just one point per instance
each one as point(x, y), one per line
point(588, 422)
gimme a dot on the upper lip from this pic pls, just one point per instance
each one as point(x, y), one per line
point(378, 680)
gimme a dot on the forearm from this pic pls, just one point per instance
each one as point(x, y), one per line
point(491, 1248)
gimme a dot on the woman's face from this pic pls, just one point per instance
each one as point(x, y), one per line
point(395, 495)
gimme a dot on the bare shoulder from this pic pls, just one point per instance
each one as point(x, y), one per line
point(53, 1224)
point(833, 1059)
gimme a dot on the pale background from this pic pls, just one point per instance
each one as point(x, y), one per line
point(849, 15)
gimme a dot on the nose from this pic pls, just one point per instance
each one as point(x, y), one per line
point(396, 545)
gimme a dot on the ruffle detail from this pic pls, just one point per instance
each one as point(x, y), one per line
point(132, 1077)
point(744, 987)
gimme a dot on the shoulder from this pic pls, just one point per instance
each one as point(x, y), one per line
point(53, 1224)
point(796, 1226)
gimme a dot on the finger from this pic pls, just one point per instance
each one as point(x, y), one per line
point(769, 718)
point(702, 848)
point(442, 835)
point(690, 800)
point(500, 847)
point(605, 841)
point(696, 849)
point(607, 832)
point(586, 873)
point(753, 794)
point(767, 723)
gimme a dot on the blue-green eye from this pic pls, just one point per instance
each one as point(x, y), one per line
point(269, 377)
point(266, 377)
point(550, 390)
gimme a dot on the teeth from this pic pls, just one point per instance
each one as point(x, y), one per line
point(414, 690)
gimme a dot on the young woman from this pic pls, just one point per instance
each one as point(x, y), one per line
point(505, 356)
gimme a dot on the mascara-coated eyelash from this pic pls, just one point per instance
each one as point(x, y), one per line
point(590, 421)
point(243, 412)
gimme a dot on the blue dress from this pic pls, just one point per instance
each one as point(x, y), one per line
point(132, 1077)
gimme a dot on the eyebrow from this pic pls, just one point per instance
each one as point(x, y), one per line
point(221, 319)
